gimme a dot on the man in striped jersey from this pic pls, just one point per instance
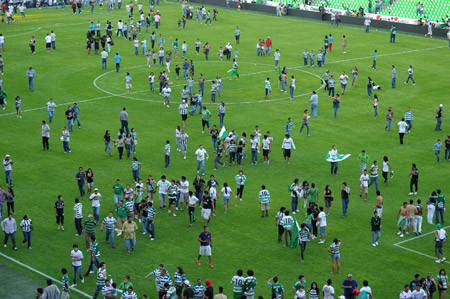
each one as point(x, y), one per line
point(249, 285)
point(108, 290)
point(199, 289)
point(183, 108)
point(78, 216)
point(172, 195)
point(240, 181)
point(89, 230)
point(157, 273)
point(286, 146)
point(162, 279)
point(101, 277)
point(110, 223)
point(287, 223)
point(301, 282)
point(238, 282)
point(183, 142)
point(94, 252)
point(151, 213)
point(65, 284)
point(264, 200)
point(303, 236)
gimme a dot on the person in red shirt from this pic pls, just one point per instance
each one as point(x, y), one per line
point(268, 45)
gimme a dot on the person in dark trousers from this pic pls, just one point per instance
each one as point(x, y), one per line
point(439, 115)
point(59, 211)
point(209, 293)
point(80, 177)
point(414, 174)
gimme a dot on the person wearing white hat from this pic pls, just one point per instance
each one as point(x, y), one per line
point(439, 115)
point(268, 45)
point(7, 163)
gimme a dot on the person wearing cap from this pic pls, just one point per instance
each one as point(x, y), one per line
point(31, 74)
point(349, 285)
point(183, 108)
point(188, 293)
point(439, 116)
point(209, 292)
point(96, 199)
point(440, 236)
point(7, 163)
point(205, 245)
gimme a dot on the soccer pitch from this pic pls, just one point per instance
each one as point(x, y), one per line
point(241, 238)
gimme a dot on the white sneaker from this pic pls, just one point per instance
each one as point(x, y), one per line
point(443, 260)
point(410, 193)
point(293, 213)
point(140, 220)
point(438, 261)
point(152, 239)
point(176, 208)
point(374, 245)
point(415, 193)
point(74, 285)
point(144, 233)
point(407, 233)
point(297, 210)
point(239, 199)
point(168, 211)
point(399, 233)
point(174, 215)
point(402, 235)
point(82, 280)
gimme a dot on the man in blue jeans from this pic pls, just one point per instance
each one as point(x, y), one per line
point(94, 253)
point(110, 223)
point(440, 206)
point(80, 177)
point(373, 171)
point(124, 119)
point(76, 111)
point(7, 163)
point(345, 192)
point(31, 74)
point(394, 76)
point(101, 278)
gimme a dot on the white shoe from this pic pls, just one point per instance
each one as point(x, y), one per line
point(297, 210)
point(293, 213)
point(144, 233)
point(407, 233)
point(82, 280)
point(239, 199)
point(168, 211)
point(399, 233)
point(402, 235)
point(438, 261)
point(376, 243)
point(410, 193)
point(140, 220)
point(176, 208)
point(174, 215)
point(443, 260)
point(415, 193)
point(152, 239)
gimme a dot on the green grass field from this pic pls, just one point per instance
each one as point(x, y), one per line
point(242, 240)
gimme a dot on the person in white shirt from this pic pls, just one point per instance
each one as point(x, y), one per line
point(200, 153)
point(333, 155)
point(286, 146)
point(343, 79)
point(119, 28)
point(104, 56)
point(364, 183)
point(419, 293)
point(53, 40)
point(328, 290)
point(254, 149)
point(48, 42)
point(162, 184)
point(366, 290)
point(193, 201)
point(76, 256)
point(406, 294)
point(184, 192)
point(402, 128)
point(96, 199)
point(166, 94)
point(265, 146)
point(322, 218)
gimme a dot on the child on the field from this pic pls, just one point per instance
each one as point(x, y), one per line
point(220, 53)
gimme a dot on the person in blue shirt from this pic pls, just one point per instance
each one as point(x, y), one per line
point(92, 28)
point(76, 110)
point(349, 285)
point(80, 177)
point(374, 65)
point(117, 58)
point(437, 149)
point(31, 74)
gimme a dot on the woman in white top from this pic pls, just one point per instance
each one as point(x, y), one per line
point(386, 169)
point(334, 155)
point(375, 106)
point(227, 192)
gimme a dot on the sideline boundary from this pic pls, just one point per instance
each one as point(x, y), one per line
point(43, 274)
point(398, 244)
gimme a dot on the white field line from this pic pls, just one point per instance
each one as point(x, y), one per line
point(43, 274)
point(398, 244)
point(110, 94)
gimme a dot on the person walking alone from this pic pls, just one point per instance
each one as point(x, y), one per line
point(410, 72)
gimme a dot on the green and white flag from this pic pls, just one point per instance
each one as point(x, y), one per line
point(295, 231)
point(222, 134)
point(339, 158)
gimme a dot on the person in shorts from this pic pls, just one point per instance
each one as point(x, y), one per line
point(207, 206)
point(264, 200)
point(205, 245)
point(401, 219)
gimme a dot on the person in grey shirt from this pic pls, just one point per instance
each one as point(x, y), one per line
point(124, 119)
point(314, 102)
point(51, 291)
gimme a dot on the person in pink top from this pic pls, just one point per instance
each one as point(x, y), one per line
point(157, 19)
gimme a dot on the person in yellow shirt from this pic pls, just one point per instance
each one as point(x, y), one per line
point(129, 229)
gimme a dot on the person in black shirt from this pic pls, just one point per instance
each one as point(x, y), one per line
point(69, 117)
point(376, 227)
point(207, 206)
point(214, 134)
point(209, 293)
point(414, 174)
point(439, 115)
point(59, 211)
point(188, 292)
point(447, 148)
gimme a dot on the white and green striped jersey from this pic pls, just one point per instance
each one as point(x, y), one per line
point(235, 66)
point(264, 196)
point(287, 222)
point(237, 282)
point(179, 278)
point(335, 247)
point(151, 213)
point(240, 179)
point(65, 283)
point(109, 222)
point(199, 290)
point(172, 191)
point(277, 289)
point(26, 225)
point(138, 195)
point(267, 84)
point(304, 234)
point(130, 206)
point(95, 248)
point(249, 284)
point(78, 208)
point(161, 280)
point(101, 276)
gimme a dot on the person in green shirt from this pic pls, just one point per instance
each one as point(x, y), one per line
point(138, 196)
point(125, 284)
point(89, 229)
point(94, 253)
point(363, 158)
point(121, 210)
point(277, 288)
point(301, 282)
point(65, 284)
point(206, 115)
point(313, 195)
point(118, 192)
